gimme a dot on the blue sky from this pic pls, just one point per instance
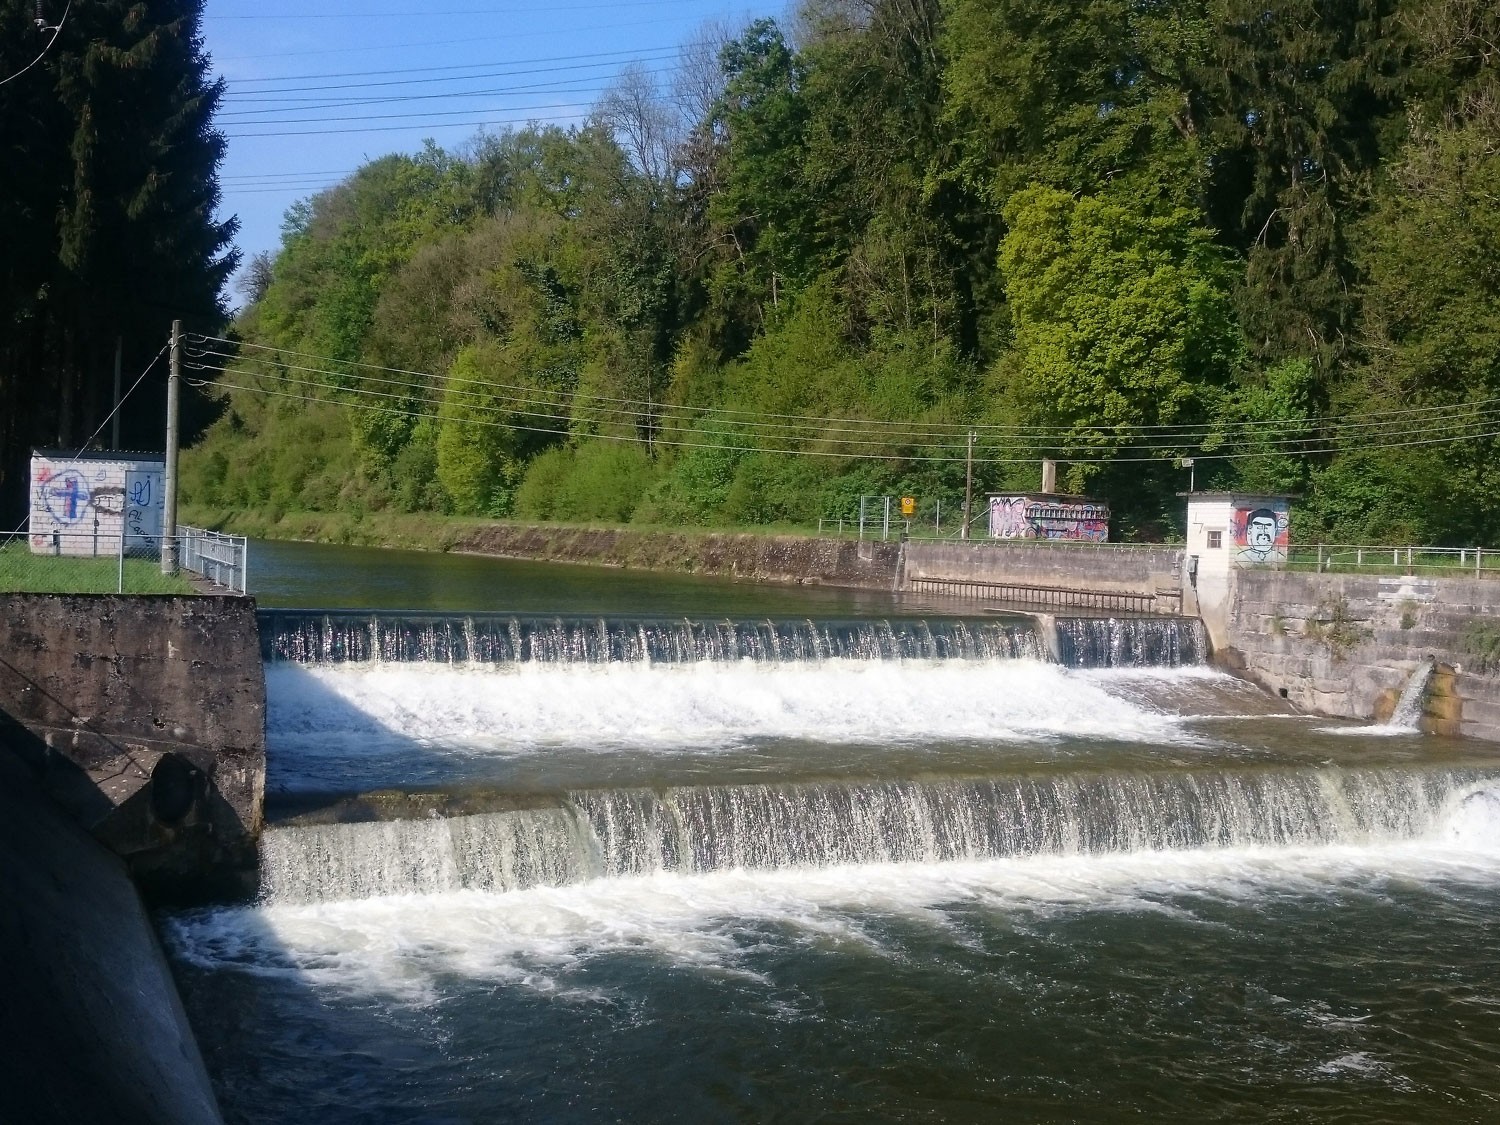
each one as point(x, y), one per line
point(317, 89)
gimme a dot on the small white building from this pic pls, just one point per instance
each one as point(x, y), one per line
point(83, 503)
point(1229, 531)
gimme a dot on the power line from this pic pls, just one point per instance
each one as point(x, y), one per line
point(510, 37)
point(590, 407)
point(1182, 432)
point(625, 56)
point(551, 118)
point(616, 59)
point(660, 440)
point(429, 14)
point(56, 31)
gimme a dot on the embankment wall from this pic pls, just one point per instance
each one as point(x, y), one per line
point(1345, 645)
point(1152, 572)
point(759, 558)
point(91, 1022)
point(144, 717)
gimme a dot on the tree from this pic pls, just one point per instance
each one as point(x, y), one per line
point(108, 192)
point(1122, 321)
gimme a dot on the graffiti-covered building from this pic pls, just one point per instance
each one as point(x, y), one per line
point(1044, 515)
point(1227, 530)
point(82, 503)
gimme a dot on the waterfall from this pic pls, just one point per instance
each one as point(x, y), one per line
point(1089, 642)
point(1408, 712)
point(596, 834)
point(314, 638)
point(1131, 642)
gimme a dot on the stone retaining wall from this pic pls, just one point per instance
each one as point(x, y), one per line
point(1345, 645)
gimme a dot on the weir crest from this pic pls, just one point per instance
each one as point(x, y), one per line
point(346, 637)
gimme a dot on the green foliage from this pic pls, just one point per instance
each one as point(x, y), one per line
point(1122, 322)
point(1481, 640)
point(1334, 629)
point(476, 462)
point(1079, 226)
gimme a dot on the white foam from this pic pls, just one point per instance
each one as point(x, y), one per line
point(399, 946)
point(641, 707)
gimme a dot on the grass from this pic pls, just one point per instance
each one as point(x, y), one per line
point(21, 572)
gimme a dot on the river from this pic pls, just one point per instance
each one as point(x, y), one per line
point(569, 844)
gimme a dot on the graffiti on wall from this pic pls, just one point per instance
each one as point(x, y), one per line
point(1260, 532)
point(1022, 517)
point(82, 507)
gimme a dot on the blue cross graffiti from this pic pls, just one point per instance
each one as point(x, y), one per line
point(67, 495)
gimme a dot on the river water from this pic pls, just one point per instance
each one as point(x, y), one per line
point(565, 844)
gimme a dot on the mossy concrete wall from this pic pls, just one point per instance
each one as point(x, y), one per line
point(1346, 645)
point(758, 558)
point(144, 717)
point(92, 1026)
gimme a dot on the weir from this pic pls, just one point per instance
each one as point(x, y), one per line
point(616, 833)
point(349, 637)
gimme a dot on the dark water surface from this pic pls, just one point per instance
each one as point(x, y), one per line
point(977, 888)
point(333, 577)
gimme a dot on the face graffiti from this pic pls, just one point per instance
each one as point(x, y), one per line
point(1260, 535)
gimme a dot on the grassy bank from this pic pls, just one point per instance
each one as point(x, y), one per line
point(21, 572)
point(416, 530)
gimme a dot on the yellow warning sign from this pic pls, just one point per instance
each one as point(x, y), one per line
point(908, 505)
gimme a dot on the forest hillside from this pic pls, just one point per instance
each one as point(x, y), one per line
point(1115, 233)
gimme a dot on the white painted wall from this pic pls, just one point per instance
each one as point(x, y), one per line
point(81, 506)
point(1206, 514)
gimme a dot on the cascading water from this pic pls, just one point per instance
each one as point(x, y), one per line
point(1130, 642)
point(620, 833)
point(1408, 712)
point(509, 639)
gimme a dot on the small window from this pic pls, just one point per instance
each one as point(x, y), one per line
point(1215, 540)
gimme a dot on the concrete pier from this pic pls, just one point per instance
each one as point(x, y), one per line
point(144, 718)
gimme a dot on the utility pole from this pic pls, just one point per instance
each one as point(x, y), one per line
point(169, 485)
point(114, 425)
point(963, 530)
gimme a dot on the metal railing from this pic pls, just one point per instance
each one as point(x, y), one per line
point(223, 560)
point(104, 561)
point(1344, 558)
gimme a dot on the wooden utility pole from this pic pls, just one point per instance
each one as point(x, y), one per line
point(114, 425)
point(169, 484)
point(963, 531)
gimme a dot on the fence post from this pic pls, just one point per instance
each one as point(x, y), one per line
point(120, 562)
point(1320, 558)
point(885, 527)
point(861, 519)
point(1478, 552)
point(1408, 560)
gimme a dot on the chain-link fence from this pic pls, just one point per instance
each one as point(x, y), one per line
point(93, 562)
